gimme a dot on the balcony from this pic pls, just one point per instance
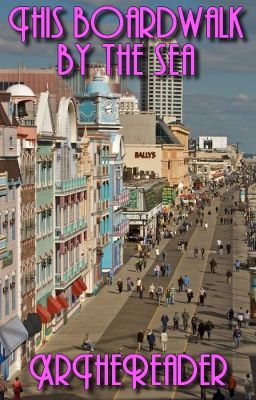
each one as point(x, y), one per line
point(121, 199)
point(64, 280)
point(104, 239)
point(3, 184)
point(74, 227)
point(3, 244)
point(121, 229)
point(70, 185)
point(6, 259)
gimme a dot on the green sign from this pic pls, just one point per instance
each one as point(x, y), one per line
point(133, 199)
point(168, 195)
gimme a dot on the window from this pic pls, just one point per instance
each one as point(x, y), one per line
point(13, 290)
point(10, 142)
point(7, 297)
point(13, 225)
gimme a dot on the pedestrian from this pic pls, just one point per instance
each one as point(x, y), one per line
point(217, 209)
point(129, 284)
point(221, 220)
point(157, 271)
point(138, 284)
point(194, 323)
point(168, 297)
point(201, 221)
point(164, 255)
point(180, 284)
point(157, 251)
point(168, 270)
point(164, 341)
point(202, 296)
point(140, 339)
point(185, 319)
point(145, 262)
point(202, 253)
point(240, 317)
point(159, 294)
point(230, 315)
point(164, 320)
point(120, 286)
point(201, 330)
point(221, 249)
point(218, 395)
point(231, 386)
point(236, 336)
point(3, 388)
point(229, 276)
point(151, 340)
point(163, 269)
point(142, 289)
point(190, 294)
point(172, 294)
point(228, 247)
point(218, 244)
point(205, 226)
point(110, 278)
point(213, 265)
point(237, 265)
point(176, 319)
point(248, 387)
point(195, 252)
point(17, 388)
point(209, 328)
point(247, 318)
point(151, 291)
point(186, 282)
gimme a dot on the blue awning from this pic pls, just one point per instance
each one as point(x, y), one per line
point(12, 335)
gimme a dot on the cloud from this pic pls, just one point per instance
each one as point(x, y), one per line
point(243, 97)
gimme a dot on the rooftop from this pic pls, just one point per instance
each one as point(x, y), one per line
point(144, 183)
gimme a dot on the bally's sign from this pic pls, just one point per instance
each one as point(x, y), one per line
point(146, 154)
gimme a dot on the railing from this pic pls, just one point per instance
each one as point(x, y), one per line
point(3, 243)
point(121, 229)
point(70, 273)
point(121, 198)
point(70, 184)
point(6, 259)
point(70, 229)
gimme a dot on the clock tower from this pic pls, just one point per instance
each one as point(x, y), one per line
point(98, 106)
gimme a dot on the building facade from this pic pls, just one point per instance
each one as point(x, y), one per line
point(161, 94)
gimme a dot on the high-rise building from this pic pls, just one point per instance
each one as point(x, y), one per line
point(161, 94)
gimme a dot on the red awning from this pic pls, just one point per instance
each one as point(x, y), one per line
point(43, 314)
point(76, 289)
point(53, 305)
point(62, 300)
point(81, 284)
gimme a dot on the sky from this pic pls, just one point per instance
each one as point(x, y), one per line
point(220, 101)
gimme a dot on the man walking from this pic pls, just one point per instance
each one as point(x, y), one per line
point(180, 284)
point(202, 252)
point(237, 265)
point(237, 336)
point(248, 387)
point(185, 319)
point(164, 320)
point(194, 323)
point(159, 294)
point(164, 341)
point(218, 395)
point(151, 291)
point(176, 319)
point(228, 247)
point(164, 255)
point(151, 340)
point(213, 265)
point(140, 339)
point(209, 327)
point(172, 294)
point(186, 282)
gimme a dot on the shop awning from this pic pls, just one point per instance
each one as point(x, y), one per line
point(43, 314)
point(12, 335)
point(53, 306)
point(76, 289)
point(35, 321)
point(82, 284)
point(29, 328)
point(61, 299)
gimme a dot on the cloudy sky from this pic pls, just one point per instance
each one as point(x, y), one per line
point(221, 101)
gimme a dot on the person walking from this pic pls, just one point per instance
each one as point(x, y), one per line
point(120, 286)
point(17, 388)
point(231, 386)
point(176, 319)
point(248, 387)
point(228, 247)
point(164, 341)
point(236, 336)
point(159, 294)
point(138, 284)
point(194, 323)
point(209, 328)
point(168, 297)
point(202, 296)
point(247, 318)
point(180, 284)
point(201, 330)
point(218, 395)
point(129, 284)
point(163, 268)
point(195, 252)
point(240, 317)
point(185, 319)
point(221, 249)
point(237, 265)
point(141, 291)
point(164, 255)
point(164, 321)
point(151, 340)
point(157, 271)
point(190, 294)
point(230, 315)
point(157, 250)
point(110, 278)
point(151, 291)
point(172, 294)
point(140, 339)
point(168, 270)
point(3, 388)
point(213, 265)
point(202, 252)
point(229, 276)
point(186, 282)
point(221, 220)
point(205, 226)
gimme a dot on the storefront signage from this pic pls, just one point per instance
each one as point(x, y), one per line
point(133, 199)
point(168, 196)
point(147, 154)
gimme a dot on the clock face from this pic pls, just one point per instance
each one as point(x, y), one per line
point(109, 108)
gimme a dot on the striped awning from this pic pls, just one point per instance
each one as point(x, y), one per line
point(12, 335)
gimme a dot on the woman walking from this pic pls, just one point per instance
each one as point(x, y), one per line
point(17, 388)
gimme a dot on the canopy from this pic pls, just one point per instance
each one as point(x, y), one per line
point(43, 314)
point(12, 335)
point(76, 289)
point(62, 300)
point(53, 306)
point(82, 284)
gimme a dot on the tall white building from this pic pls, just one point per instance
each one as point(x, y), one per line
point(161, 94)
point(128, 103)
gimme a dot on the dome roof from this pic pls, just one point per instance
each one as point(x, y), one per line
point(97, 85)
point(20, 90)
